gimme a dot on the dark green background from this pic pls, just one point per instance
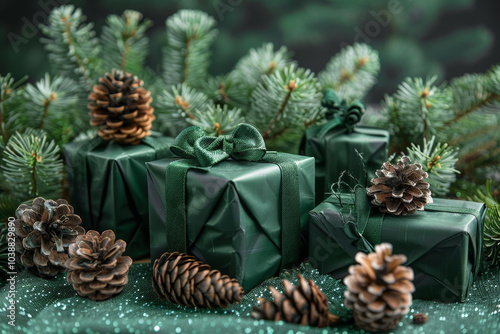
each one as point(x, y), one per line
point(444, 37)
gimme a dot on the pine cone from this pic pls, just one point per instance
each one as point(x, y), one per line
point(97, 269)
point(44, 232)
point(120, 106)
point(302, 304)
point(379, 290)
point(400, 189)
point(182, 280)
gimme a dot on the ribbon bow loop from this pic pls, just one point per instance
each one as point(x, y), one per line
point(244, 143)
point(341, 113)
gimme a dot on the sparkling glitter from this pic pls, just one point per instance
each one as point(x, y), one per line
point(50, 304)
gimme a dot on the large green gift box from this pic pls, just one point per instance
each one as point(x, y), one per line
point(443, 243)
point(108, 187)
point(234, 213)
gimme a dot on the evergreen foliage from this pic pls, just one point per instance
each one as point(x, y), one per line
point(258, 63)
point(190, 34)
point(11, 106)
point(53, 106)
point(72, 45)
point(283, 101)
point(175, 106)
point(438, 160)
point(32, 166)
point(352, 72)
point(124, 43)
point(217, 120)
point(463, 113)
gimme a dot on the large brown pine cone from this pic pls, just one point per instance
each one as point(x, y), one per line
point(379, 289)
point(44, 232)
point(182, 280)
point(400, 189)
point(302, 304)
point(120, 107)
point(97, 269)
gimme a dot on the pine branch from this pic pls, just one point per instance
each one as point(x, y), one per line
point(226, 90)
point(217, 120)
point(282, 101)
point(53, 106)
point(190, 34)
point(11, 105)
point(32, 166)
point(176, 107)
point(439, 163)
point(124, 43)
point(260, 62)
point(72, 46)
point(352, 72)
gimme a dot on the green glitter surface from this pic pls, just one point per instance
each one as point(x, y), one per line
point(52, 306)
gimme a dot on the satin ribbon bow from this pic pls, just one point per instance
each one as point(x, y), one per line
point(340, 112)
point(244, 143)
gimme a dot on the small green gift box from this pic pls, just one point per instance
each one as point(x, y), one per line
point(443, 243)
point(231, 204)
point(108, 187)
point(335, 143)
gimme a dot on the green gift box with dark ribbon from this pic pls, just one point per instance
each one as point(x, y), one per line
point(108, 187)
point(443, 243)
point(334, 145)
point(231, 204)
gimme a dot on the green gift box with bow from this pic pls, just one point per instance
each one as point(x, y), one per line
point(108, 188)
point(231, 204)
point(443, 243)
point(334, 145)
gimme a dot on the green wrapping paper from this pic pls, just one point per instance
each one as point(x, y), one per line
point(443, 243)
point(108, 187)
point(233, 214)
point(335, 151)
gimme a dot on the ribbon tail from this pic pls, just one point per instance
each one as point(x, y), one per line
point(175, 206)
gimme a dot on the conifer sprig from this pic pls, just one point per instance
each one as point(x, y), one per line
point(11, 105)
point(72, 46)
point(259, 62)
point(438, 160)
point(124, 43)
point(190, 34)
point(32, 166)
point(53, 106)
point(283, 101)
point(177, 105)
point(216, 120)
point(352, 72)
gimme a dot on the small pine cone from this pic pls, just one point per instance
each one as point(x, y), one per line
point(420, 318)
point(97, 269)
point(379, 289)
point(400, 189)
point(44, 232)
point(120, 106)
point(182, 280)
point(302, 304)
